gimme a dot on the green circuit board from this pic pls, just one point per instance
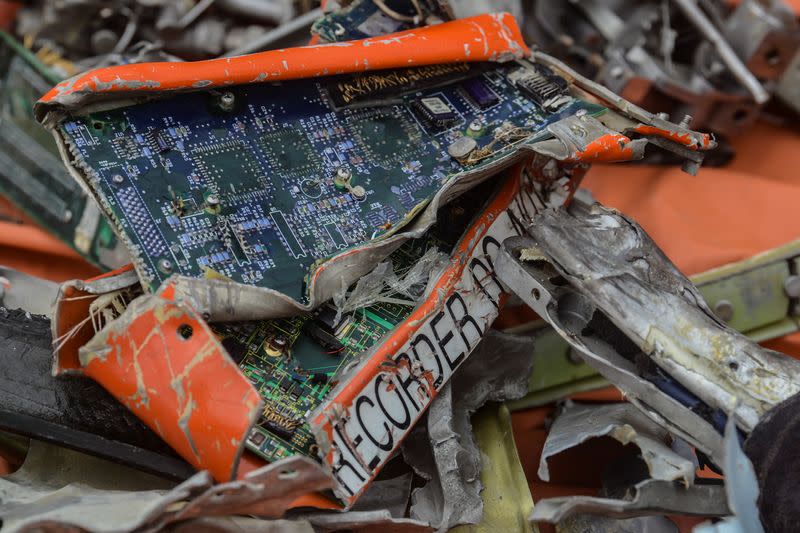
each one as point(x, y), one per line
point(293, 362)
point(362, 19)
point(257, 183)
point(32, 175)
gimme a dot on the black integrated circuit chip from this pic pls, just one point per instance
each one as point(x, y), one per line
point(479, 93)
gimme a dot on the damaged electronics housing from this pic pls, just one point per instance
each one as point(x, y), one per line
point(245, 200)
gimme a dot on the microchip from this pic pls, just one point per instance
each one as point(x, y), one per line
point(257, 438)
point(325, 318)
point(328, 342)
point(481, 95)
point(434, 112)
point(436, 108)
point(542, 85)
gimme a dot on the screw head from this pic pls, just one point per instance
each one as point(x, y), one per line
point(724, 310)
point(117, 178)
point(165, 265)
point(791, 286)
point(358, 192)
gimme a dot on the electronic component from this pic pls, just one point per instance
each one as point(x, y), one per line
point(542, 85)
point(435, 112)
point(479, 93)
point(32, 175)
point(329, 342)
point(325, 317)
point(462, 147)
point(369, 87)
point(278, 423)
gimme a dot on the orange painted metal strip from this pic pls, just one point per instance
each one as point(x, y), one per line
point(488, 37)
point(609, 148)
point(166, 365)
point(404, 331)
point(681, 138)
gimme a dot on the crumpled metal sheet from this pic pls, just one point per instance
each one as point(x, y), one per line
point(612, 260)
point(58, 489)
point(650, 497)
point(149, 359)
point(506, 495)
point(447, 454)
point(367, 521)
point(592, 523)
point(22, 291)
point(741, 487)
point(577, 424)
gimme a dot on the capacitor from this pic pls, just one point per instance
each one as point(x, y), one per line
point(358, 192)
point(461, 148)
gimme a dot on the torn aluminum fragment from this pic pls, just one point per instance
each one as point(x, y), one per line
point(623, 422)
point(23, 291)
point(611, 260)
point(741, 487)
point(534, 280)
point(61, 488)
point(592, 523)
point(611, 293)
point(384, 284)
point(446, 455)
point(650, 497)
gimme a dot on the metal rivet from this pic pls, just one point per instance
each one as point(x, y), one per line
point(165, 265)
point(792, 286)
point(574, 357)
point(358, 192)
point(724, 310)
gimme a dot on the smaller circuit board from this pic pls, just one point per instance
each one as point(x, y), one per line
point(293, 362)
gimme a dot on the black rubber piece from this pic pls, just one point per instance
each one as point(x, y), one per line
point(71, 411)
point(772, 448)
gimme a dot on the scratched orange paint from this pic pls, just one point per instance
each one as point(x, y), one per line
point(480, 38)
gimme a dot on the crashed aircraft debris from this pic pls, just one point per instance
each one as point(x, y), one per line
point(321, 239)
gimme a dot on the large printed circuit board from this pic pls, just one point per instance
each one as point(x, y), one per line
point(258, 182)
